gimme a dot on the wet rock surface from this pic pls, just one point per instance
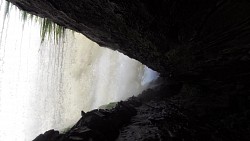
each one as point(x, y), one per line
point(159, 115)
point(151, 116)
point(201, 47)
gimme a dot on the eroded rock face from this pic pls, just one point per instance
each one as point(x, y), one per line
point(184, 37)
point(119, 25)
point(177, 37)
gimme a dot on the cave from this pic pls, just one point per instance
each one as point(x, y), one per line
point(200, 48)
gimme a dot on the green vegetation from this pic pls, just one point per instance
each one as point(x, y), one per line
point(49, 29)
point(108, 106)
point(65, 130)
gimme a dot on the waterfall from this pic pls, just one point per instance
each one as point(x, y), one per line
point(45, 85)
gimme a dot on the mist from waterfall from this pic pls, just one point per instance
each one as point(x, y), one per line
point(45, 86)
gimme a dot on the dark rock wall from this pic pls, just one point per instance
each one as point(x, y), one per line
point(202, 46)
point(148, 30)
point(121, 25)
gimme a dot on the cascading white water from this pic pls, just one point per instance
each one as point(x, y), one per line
point(45, 86)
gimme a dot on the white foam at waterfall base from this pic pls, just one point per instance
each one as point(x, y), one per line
point(46, 86)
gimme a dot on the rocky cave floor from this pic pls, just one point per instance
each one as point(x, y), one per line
point(164, 113)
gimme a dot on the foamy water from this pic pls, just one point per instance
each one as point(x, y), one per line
point(46, 86)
